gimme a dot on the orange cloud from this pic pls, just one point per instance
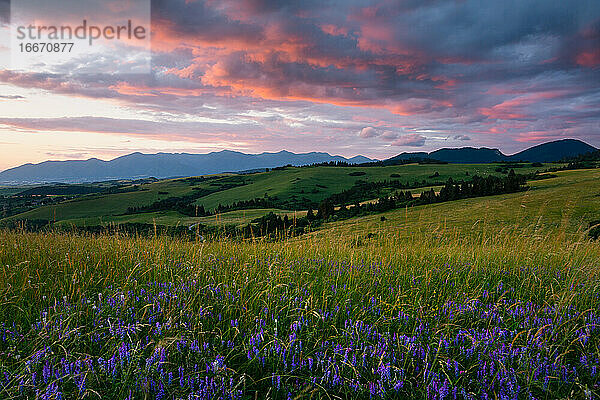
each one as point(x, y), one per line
point(514, 108)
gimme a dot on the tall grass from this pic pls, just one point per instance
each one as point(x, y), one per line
point(434, 313)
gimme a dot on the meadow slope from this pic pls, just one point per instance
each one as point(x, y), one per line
point(292, 186)
point(494, 297)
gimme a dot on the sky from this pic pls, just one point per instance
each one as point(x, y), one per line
point(347, 77)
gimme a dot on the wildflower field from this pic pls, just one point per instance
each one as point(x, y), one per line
point(481, 312)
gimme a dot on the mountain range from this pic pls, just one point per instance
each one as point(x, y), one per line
point(166, 165)
point(161, 165)
point(545, 152)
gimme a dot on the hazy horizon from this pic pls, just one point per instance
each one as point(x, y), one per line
point(270, 152)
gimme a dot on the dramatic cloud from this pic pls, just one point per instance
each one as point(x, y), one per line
point(410, 73)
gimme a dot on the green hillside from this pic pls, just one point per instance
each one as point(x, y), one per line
point(472, 289)
point(173, 218)
point(565, 205)
point(291, 187)
point(317, 183)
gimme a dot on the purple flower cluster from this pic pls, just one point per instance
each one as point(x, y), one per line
point(193, 339)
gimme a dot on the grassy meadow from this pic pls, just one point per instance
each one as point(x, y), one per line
point(290, 185)
point(494, 297)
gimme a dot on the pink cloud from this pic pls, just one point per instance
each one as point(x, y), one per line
point(410, 140)
point(334, 30)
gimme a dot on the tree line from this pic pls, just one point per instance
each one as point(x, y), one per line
point(363, 190)
point(587, 160)
point(452, 190)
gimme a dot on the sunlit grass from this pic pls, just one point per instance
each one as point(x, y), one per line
point(323, 281)
point(434, 302)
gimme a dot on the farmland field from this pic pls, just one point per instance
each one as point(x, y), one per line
point(489, 297)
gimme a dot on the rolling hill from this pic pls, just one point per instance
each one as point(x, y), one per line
point(290, 188)
point(161, 165)
point(553, 151)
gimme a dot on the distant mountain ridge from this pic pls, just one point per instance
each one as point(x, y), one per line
point(160, 165)
point(545, 152)
point(166, 165)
